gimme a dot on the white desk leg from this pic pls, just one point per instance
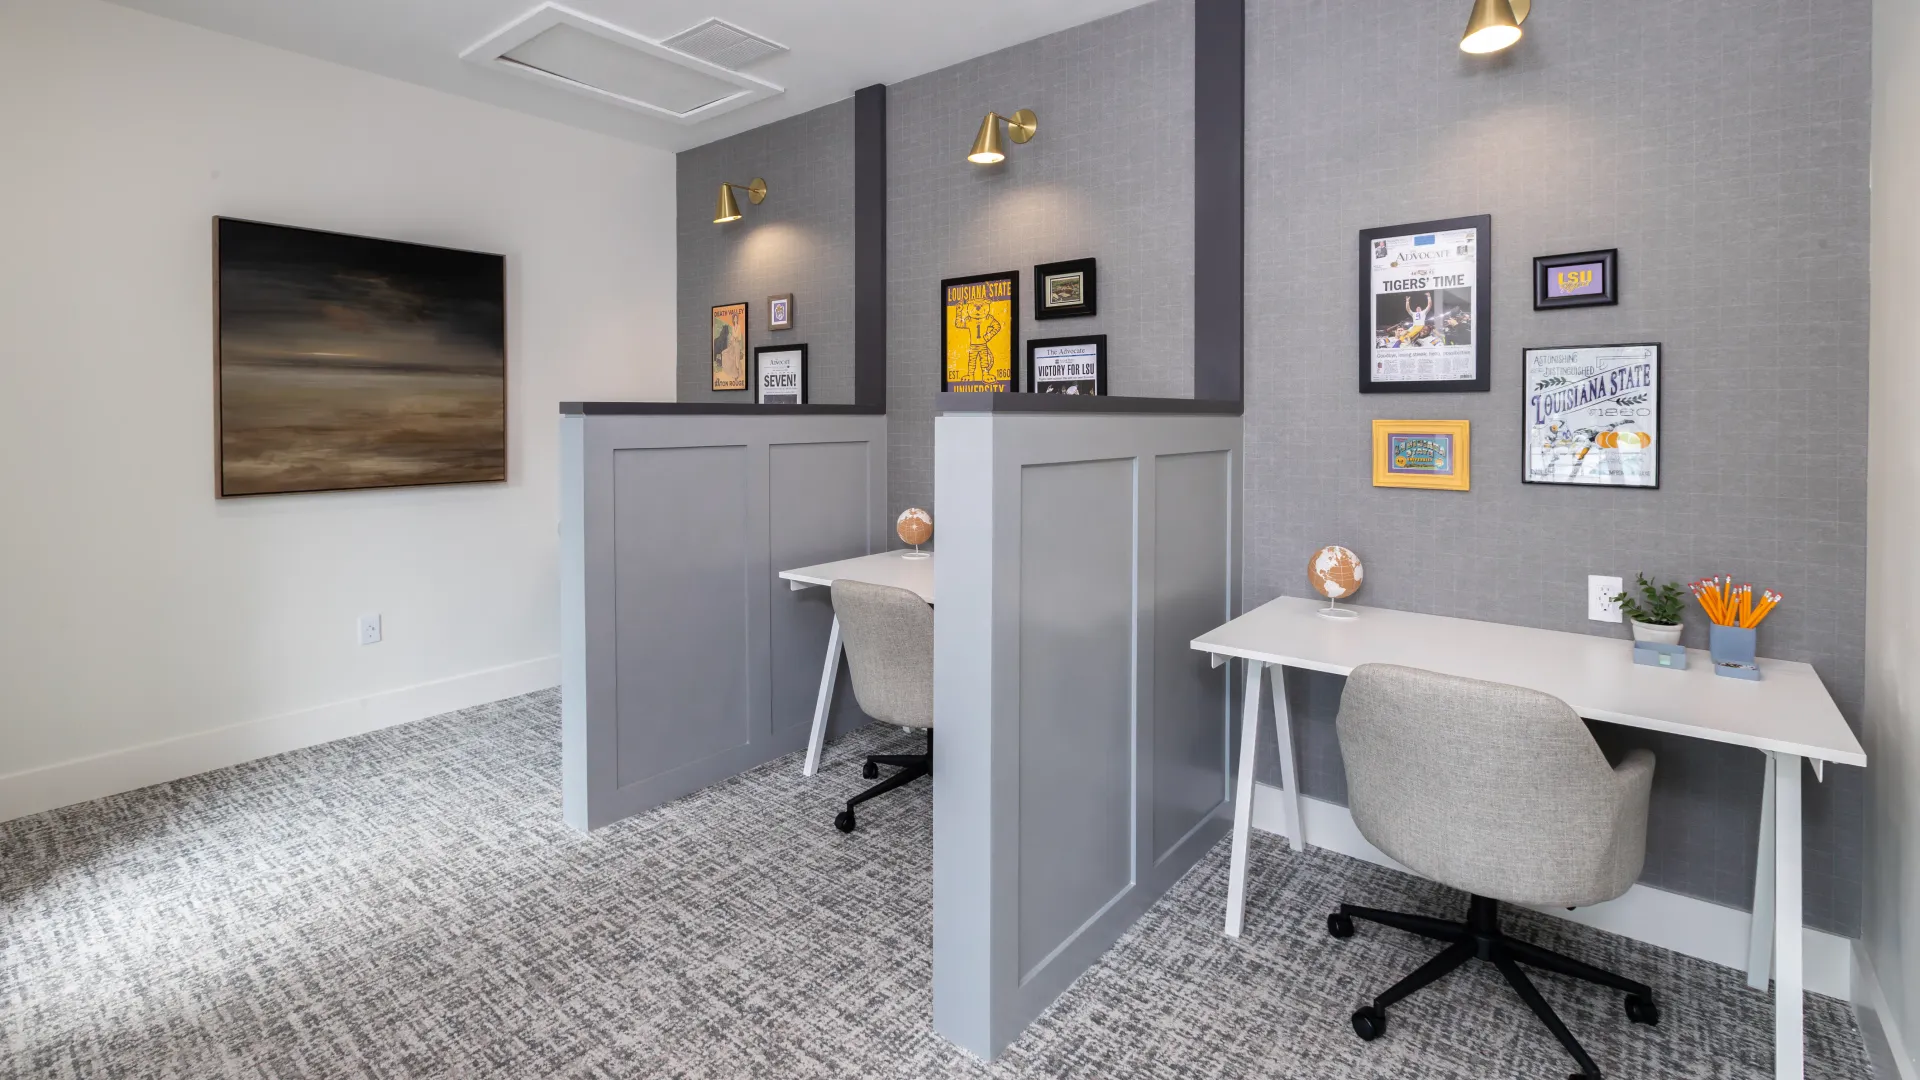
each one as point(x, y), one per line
point(1760, 931)
point(1289, 776)
point(1789, 998)
point(824, 705)
point(1243, 799)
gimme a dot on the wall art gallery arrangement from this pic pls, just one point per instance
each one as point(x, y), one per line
point(1592, 412)
point(346, 362)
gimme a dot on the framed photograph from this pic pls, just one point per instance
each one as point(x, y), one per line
point(780, 312)
point(1422, 454)
point(1580, 279)
point(1592, 415)
point(730, 346)
point(1067, 365)
point(346, 362)
point(980, 333)
point(1065, 290)
point(1425, 301)
point(780, 375)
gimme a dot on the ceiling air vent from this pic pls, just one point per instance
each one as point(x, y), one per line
point(584, 55)
point(722, 43)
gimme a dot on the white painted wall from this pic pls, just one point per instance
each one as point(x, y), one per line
point(1891, 942)
point(134, 606)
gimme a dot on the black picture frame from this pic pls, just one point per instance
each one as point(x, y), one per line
point(1481, 311)
point(1545, 265)
point(1012, 329)
point(1659, 413)
point(1099, 343)
point(1089, 289)
point(759, 370)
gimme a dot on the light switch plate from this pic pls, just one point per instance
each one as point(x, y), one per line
point(1600, 593)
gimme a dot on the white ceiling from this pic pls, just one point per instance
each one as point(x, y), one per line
point(836, 46)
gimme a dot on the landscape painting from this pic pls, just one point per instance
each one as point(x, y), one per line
point(343, 362)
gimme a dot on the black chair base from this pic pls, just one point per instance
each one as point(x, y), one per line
point(1480, 938)
point(912, 767)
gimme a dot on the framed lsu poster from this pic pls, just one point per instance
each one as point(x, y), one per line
point(1424, 306)
point(1592, 415)
point(980, 333)
point(1423, 454)
point(730, 346)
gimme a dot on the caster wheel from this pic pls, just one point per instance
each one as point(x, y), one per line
point(1369, 1023)
point(1340, 925)
point(1642, 1010)
point(844, 821)
point(870, 771)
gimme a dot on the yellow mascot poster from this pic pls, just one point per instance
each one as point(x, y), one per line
point(980, 333)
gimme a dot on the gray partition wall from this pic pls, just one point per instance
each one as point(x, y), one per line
point(1082, 746)
point(684, 658)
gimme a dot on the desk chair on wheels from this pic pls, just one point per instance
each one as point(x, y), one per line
point(1500, 792)
point(888, 637)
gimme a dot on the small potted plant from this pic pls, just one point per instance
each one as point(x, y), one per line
point(1656, 614)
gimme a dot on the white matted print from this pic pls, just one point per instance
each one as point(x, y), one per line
point(780, 312)
point(1592, 415)
point(780, 374)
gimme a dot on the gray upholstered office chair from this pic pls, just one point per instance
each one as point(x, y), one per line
point(888, 635)
point(1502, 793)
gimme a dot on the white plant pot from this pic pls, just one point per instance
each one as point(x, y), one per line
point(1656, 633)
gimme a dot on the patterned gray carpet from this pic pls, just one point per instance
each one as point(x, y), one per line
point(408, 904)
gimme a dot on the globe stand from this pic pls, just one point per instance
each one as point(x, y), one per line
point(916, 553)
point(1335, 611)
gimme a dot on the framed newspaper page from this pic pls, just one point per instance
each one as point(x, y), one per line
point(1425, 302)
point(1592, 415)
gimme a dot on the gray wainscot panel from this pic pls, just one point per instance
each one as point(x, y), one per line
point(684, 659)
point(1083, 747)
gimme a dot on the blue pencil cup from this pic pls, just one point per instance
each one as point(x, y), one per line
point(1732, 650)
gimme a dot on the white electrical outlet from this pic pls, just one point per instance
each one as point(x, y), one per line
point(1600, 593)
point(370, 629)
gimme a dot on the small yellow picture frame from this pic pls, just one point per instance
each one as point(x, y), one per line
point(1422, 454)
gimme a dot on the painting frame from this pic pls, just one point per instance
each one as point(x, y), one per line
point(1009, 331)
point(1377, 244)
point(1606, 259)
point(1099, 344)
point(223, 487)
point(1530, 430)
point(1084, 274)
point(743, 334)
point(780, 311)
point(1391, 436)
point(760, 373)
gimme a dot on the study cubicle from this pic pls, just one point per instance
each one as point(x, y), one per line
point(1084, 749)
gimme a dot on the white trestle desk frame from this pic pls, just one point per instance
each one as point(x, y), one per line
point(1788, 715)
point(895, 568)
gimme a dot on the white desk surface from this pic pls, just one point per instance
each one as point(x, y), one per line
point(1787, 710)
point(886, 568)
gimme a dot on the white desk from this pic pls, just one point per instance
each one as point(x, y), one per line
point(893, 568)
point(1788, 714)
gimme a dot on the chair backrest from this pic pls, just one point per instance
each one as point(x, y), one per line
point(1493, 789)
point(888, 635)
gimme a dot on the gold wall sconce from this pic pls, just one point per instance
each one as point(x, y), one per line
point(728, 210)
point(987, 147)
point(1494, 25)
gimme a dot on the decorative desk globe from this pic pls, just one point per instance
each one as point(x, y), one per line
point(915, 527)
point(1336, 574)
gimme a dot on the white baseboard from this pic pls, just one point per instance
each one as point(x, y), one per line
point(1879, 1027)
point(47, 787)
point(1684, 924)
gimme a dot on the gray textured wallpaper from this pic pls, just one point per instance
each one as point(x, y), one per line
point(799, 241)
point(1109, 175)
point(1726, 157)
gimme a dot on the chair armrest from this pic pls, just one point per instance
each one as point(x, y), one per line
point(1634, 775)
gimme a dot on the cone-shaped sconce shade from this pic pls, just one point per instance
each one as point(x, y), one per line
point(726, 209)
point(1493, 26)
point(987, 147)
